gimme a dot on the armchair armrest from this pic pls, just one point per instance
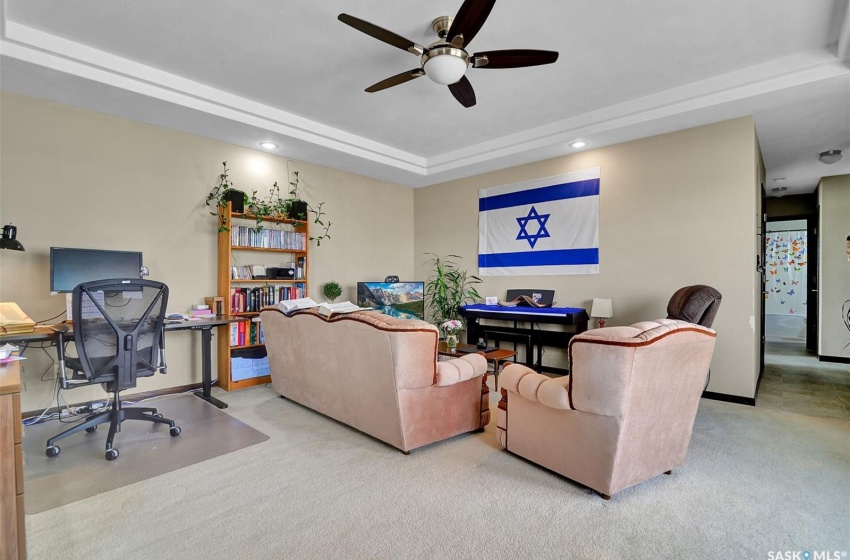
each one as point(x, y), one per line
point(548, 391)
point(460, 369)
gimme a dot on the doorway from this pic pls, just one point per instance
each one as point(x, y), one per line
point(787, 290)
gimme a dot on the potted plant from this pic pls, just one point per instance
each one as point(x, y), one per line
point(298, 208)
point(331, 290)
point(223, 193)
point(274, 206)
point(447, 289)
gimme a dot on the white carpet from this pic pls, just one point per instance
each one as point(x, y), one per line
point(755, 481)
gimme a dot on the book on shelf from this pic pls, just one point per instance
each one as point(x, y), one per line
point(331, 309)
point(247, 300)
point(244, 236)
point(288, 306)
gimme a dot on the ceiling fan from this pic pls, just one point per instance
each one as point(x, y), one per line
point(445, 61)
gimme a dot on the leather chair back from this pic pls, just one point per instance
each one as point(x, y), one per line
point(694, 304)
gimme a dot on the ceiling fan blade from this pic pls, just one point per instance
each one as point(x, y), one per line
point(513, 58)
point(381, 34)
point(469, 19)
point(463, 92)
point(396, 80)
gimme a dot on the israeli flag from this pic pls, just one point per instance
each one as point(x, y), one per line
point(540, 227)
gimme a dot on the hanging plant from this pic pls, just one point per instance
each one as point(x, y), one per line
point(223, 193)
point(271, 207)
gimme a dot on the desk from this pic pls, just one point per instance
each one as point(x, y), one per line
point(55, 334)
point(531, 337)
point(12, 535)
point(497, 356)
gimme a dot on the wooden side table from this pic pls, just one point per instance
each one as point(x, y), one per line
point(498, 356)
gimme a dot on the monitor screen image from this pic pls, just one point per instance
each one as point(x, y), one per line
point(405, 300)
point(69, 267)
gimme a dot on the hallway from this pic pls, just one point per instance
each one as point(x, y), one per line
point(795, 381)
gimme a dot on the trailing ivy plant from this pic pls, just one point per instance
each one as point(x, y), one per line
point(271, 207)
point(448, 288)
point(221, 194)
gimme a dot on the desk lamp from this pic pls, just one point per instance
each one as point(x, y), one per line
point(602, 309)
point(8, 240)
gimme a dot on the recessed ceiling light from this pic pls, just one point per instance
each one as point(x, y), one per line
point(578, 144)
point(268, 145)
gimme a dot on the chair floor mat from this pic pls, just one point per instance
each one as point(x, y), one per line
point(145, 450)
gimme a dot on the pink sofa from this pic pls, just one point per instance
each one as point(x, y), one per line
point(625, 412)
point(377, 374)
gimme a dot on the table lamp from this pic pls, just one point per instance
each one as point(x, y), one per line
point(602, 309)
point(8, 240)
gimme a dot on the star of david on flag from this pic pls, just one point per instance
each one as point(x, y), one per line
point(540, 227)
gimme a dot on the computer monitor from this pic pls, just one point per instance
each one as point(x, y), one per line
point(69, 267)
point(405, 300)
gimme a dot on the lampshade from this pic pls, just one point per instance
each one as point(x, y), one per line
point(830, 156)
point(602, 308)
point(8, 240)
point(445, 69)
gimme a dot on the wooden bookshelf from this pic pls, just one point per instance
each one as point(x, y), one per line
point(226, 252)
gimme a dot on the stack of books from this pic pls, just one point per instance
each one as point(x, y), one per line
point(13, 320)
point(202, 311)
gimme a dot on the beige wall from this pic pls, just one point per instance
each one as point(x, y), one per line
point(834, 278)
point(74, 178)
point(675, 210)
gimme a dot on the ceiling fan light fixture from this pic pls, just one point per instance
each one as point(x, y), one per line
point(445, 65)
point(830, 156)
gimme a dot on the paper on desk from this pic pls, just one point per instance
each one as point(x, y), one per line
point(11, 359)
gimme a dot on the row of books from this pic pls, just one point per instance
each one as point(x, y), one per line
point(244, 236)
point(246, 333)
point(245, 272)
point(244, 300)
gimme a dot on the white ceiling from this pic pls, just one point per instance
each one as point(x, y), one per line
point(290, 72)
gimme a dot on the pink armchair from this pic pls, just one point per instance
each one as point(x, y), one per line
point(625, 412)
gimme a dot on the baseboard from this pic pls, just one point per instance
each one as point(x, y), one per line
point(130, 396)
point(750, 401)
point(835, 359)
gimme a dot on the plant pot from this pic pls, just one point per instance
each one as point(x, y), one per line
point(297, 210)
point(236, 199)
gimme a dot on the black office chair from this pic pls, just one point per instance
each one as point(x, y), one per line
point(118, 334)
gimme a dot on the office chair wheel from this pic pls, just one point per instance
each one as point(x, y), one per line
point(111, 454)
point(91, 429)
point(52, 451)
point(174, 431)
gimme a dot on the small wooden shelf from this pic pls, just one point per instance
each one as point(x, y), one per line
point(249, 382)
point(247, 216)
point(247, 346)
point(267, 281)
point(267, 250)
